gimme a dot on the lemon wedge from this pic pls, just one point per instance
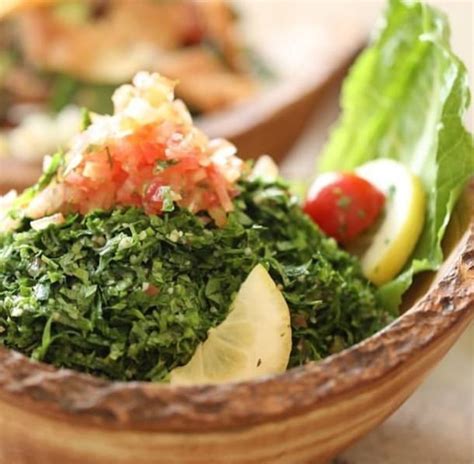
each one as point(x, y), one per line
point(254, 339)
point(402, 224)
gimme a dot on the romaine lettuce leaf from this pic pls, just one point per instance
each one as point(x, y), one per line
point(405, 98)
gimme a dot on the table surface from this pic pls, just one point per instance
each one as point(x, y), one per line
point(436, 425)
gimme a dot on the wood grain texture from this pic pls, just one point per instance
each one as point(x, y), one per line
point(308, 414)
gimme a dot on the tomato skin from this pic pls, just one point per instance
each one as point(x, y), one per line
point(343, 205)
point(152, 200)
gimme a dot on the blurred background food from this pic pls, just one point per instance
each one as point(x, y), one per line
point(251, 71)
point(58, 56)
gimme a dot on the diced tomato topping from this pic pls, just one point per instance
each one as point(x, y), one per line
point(153, 199)
point(132, 170)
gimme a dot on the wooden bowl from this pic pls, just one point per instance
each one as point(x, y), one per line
point(306, 415)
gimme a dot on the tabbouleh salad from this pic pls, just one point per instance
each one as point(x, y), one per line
point(139, 241)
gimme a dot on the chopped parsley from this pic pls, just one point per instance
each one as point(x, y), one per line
point(126, 295)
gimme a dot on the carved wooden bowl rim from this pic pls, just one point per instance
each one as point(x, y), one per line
point(83, 399)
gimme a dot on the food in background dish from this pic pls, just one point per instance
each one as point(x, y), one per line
point(56, 53)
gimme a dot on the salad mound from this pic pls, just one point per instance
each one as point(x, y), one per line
point(130, 295)
point(136, 241)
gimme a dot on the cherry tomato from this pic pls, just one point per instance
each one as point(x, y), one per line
point(343, 205)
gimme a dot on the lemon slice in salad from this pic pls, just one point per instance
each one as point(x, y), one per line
point(254, 339)
point(402, 223)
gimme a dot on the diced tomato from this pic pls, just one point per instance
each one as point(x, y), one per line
point(118, 174)
point(132, 170)
point(219, 184)
point(153, 199)
point(151, 290)
point(343, 205)
point(210, 199)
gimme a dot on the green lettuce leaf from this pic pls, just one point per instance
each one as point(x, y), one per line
point(405, 98)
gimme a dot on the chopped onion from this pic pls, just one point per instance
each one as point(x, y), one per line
point(42, 223)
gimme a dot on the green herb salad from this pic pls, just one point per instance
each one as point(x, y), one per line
point(149, 252)
point(130, 295)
